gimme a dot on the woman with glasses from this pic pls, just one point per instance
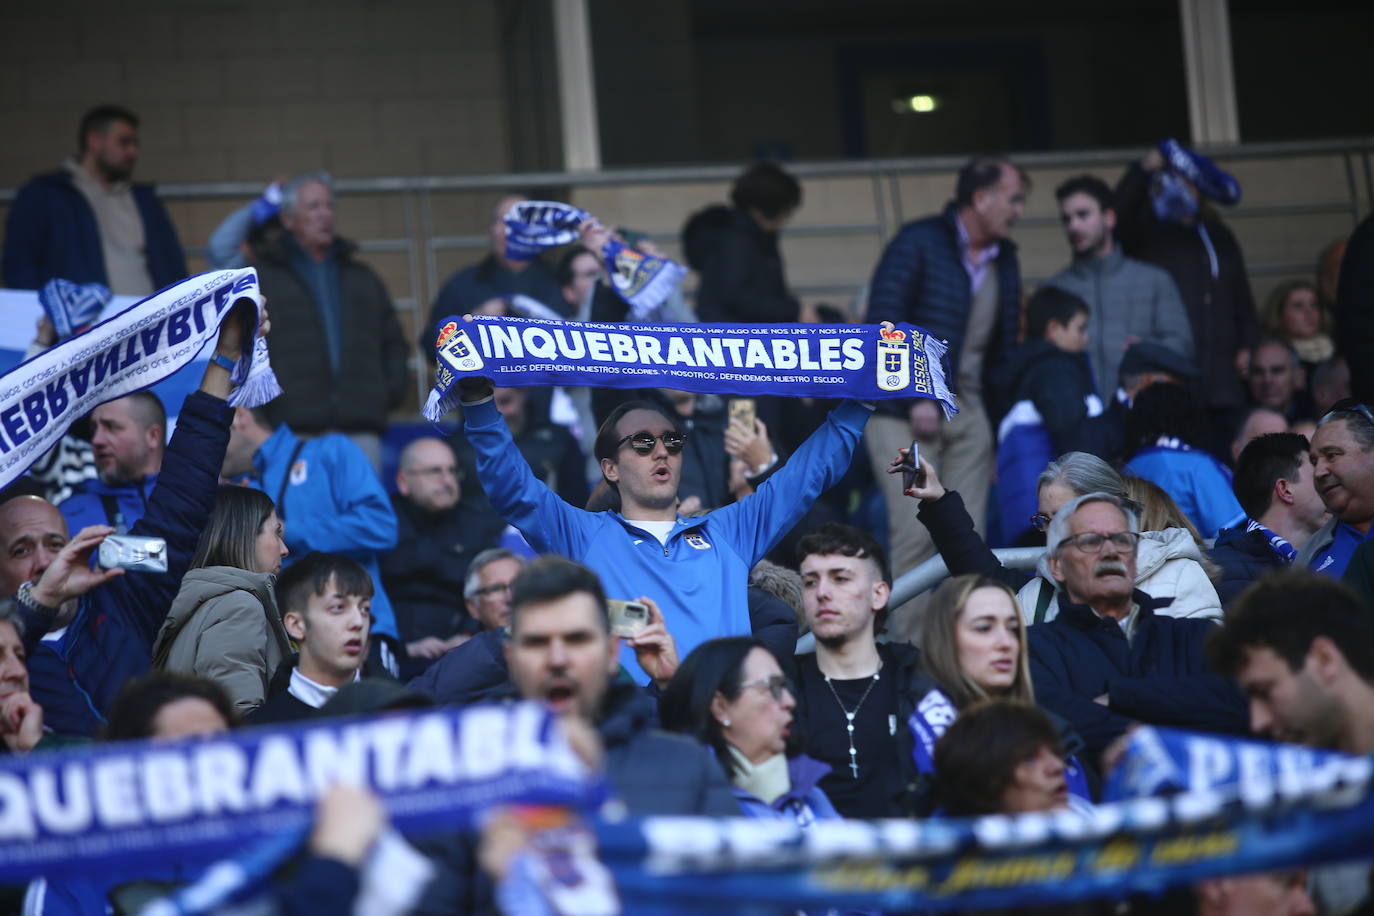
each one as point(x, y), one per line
point(1168, 563)
point(973, 648)
point(732, 696)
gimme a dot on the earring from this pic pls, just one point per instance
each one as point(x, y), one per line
point(725, 723)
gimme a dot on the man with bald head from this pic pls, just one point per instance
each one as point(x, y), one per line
point(438, 535)
point(128, 438)
point(88, 630)
point(493, 277)
point(1258, 421)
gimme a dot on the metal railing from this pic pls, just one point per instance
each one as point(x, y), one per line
point(422, 241)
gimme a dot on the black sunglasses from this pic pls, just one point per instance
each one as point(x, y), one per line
point(643, 443)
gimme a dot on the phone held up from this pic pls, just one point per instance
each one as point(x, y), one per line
point(912, 475)
point(628, 618)
point(133, 553)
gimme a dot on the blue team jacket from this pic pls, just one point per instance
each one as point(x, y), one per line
point(700, 579)
point(87, 505)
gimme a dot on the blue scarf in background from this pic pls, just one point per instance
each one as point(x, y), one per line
point(72, 307)
point(642, 280)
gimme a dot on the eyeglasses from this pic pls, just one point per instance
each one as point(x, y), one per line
point(1092, 542)
point(774, 685)
point(1040, 521)
point(492, 589)
point(1348, 405)
point(643, 443)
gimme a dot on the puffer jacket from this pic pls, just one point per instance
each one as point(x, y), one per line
point(1168, 564)
point(224, 625)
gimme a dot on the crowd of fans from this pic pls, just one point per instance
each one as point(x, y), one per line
point(1196, 469)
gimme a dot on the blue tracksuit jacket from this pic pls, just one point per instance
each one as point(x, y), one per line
point(700, 579)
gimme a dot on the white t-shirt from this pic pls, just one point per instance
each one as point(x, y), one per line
point(659, 530)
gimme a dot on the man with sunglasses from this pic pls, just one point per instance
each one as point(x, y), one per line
point(1343, 472)
point(697, 569)
point(1108, 659)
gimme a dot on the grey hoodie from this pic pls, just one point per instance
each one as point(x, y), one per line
point(224, 625)
point(1129, 299)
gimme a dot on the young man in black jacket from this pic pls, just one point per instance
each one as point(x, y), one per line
point(854, 696)
point(1273, 483)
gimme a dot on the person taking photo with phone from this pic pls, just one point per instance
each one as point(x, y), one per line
point(89, 630)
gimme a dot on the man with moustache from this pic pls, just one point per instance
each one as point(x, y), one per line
point(1343, 471)
point(1108, 660)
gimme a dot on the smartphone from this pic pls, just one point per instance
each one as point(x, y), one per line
point(628, 618)
point(134, 553)
point(743, 409)
point(912, 475)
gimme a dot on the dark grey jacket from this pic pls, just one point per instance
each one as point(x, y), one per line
point(1129, 299)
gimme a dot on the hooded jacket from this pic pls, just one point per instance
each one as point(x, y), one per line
point(1128, 300)
point(1168, 565)
point(224, 625)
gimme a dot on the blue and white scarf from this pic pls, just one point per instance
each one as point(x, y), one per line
point(130, 351)
point(1285, 551)
point(72, 307)
point(126, 803)
point(862, 362)
point(642, 280)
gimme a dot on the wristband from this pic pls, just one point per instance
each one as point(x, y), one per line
point(224, 362)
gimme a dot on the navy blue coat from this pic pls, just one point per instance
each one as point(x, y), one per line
point(51, 232)
point(1243, 557)
point(1160, 678)
point(921, 279)
point(111, 638)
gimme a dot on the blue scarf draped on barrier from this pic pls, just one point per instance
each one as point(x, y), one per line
point(127, 352)
point(112, 807)
point(1232, 807)
point(1311, 815)
point(857, 361)
point(642, 280)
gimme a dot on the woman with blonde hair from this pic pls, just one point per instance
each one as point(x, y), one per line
point(974, 648)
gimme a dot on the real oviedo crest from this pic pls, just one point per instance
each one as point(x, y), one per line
point(457, 351)
point(894, 361)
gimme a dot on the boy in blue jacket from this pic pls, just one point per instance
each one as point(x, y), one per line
point(1055, 407)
